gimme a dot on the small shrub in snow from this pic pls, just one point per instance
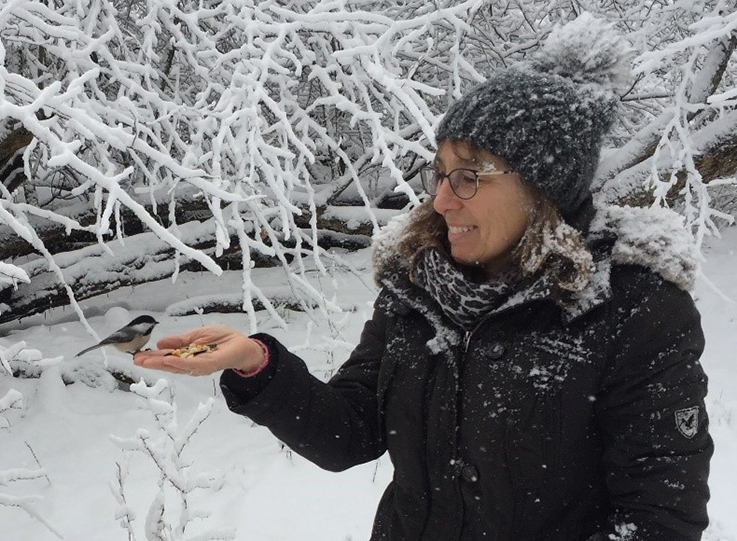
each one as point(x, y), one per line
point(171, 514)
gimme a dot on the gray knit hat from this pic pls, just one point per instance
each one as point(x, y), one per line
point(546, 116)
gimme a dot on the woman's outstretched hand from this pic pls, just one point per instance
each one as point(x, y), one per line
point(233, 350)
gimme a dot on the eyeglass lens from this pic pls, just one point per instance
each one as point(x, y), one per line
point(463, 182)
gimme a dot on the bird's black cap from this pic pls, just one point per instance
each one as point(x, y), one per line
point(143, 319)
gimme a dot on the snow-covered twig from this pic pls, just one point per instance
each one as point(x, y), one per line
point(124, 514)
point(17, 357)
point(13, 400)
point(676, 155)
point(26, 504)
point(269, 117)
point(166, 448)
point(249, 113)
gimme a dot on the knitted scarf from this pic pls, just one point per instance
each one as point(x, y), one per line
point(464, 301)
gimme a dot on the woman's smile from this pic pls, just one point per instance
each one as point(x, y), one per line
point(458, 233)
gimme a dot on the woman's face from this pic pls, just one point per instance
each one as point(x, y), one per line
point(484, 230)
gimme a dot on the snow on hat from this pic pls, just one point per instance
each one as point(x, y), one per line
point(546, 116)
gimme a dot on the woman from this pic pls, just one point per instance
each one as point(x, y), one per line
point(531, 366)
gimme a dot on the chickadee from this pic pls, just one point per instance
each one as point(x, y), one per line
point(130, 338)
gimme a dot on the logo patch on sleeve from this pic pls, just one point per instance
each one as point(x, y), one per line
point(687, 421)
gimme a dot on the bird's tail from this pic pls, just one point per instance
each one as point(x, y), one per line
point(88, 349)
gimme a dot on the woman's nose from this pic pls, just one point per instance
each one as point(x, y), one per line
point(445, 198)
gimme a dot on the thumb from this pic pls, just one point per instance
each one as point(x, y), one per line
point(200, 335)
point(177, 340)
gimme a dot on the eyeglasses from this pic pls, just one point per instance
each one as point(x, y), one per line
point(463, 182)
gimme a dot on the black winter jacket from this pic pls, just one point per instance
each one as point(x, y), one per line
point(537, 426)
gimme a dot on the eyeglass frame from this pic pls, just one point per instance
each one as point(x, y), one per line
point(436, 173)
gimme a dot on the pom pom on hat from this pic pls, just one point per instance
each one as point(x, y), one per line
point(586, 50)
point(546, 116)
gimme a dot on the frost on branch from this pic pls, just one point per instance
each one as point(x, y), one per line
point(260, 121)
point(11, 275)
point(13, 400)
point(173, 514)
point(260, 115)
point(684, 155)
point(17, 358)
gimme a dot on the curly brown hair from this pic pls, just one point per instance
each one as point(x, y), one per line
point(552, 245)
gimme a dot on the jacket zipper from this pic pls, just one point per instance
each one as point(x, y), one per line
point(469, 334)
point(467, 341)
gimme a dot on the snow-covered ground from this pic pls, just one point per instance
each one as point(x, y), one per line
point(257, 490)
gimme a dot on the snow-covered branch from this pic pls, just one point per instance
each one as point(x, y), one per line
point(172, 510)
point(225, 100)
point(689, 138)
point(26, 503)
point(269, 113)
point(17, 357)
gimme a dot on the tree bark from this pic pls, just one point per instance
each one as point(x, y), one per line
point(11, 168)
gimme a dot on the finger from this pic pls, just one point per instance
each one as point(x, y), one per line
point(174, 341)
point(171, 370)
point(200, 335)
point(158, 360)
point(164, 361)
point(144, 356)
point(199, 370)
point(179, 340)
point(178, 365)
point(165, 368)
point(205, 364)
point(198, 365)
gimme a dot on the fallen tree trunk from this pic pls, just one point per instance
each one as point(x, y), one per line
point(344, 221)
point(714, 157)
point(94, 271)
point(99, 269)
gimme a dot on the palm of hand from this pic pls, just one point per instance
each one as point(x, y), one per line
point(234, 350)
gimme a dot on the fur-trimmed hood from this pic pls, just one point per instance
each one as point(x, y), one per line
point(654, 238)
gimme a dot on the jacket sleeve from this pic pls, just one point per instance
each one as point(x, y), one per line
point(651, 410)
point(336, 425)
